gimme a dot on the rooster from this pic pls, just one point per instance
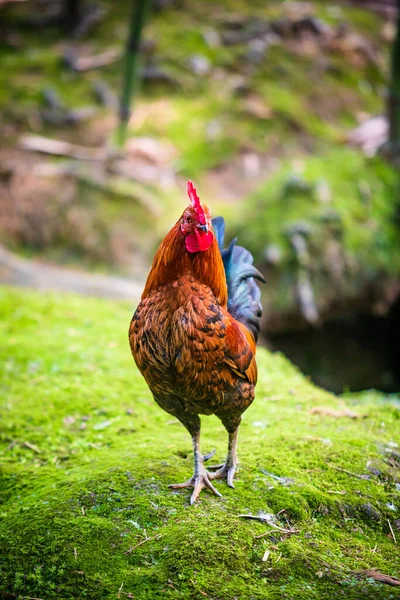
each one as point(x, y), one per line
point(194, 333)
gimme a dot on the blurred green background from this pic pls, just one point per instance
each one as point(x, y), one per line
point(279, 113)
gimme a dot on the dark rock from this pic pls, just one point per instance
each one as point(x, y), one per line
point(199, 64)
point(281, 27)
point(347, 511)
point(51, 98)
point(367, 510)
point(153, 73)
point(300, 227)
point(323, 510)
point(104, 94)
point(89, 19)
point(251, 30)
point(256, 51)
point(296, 185)
point(308, 24)
point(211, 37)
point(375, 471)
point(331, 216)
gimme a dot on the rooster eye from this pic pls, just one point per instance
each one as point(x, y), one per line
point(188, 219)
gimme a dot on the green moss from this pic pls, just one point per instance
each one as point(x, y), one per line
point(88, 457)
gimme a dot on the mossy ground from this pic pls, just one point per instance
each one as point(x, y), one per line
point(88, 457)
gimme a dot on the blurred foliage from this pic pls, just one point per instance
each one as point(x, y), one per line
point(236, 94)
point(340, 195)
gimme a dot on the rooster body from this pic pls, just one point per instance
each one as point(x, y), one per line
point(193, 335)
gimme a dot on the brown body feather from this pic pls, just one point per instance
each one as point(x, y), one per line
point(195, 357)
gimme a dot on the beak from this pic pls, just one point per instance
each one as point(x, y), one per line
point(203, 227)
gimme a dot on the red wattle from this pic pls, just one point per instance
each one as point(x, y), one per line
point(199, 241)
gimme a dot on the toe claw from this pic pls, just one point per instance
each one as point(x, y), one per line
point(224, 472)
point(230, 476)
point(198, 486)
point(207, 457)
point(215, 467)
point(212, 488)
point(178, 486)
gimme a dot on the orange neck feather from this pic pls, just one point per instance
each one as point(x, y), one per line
point(173, 261)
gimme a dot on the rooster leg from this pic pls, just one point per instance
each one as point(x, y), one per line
point(201, 478)
point(228, 469)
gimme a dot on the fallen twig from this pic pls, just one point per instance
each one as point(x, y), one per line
point(266, 520)
point(392, 532)
point(200, 591)
point(349, 472)
point(147, 539)
point(257, 537)
point(290, 531)
point(32, 447)
point(37, 143)
point(82, 63)
point(171, 584)
point(381, 577)
point(255, 518)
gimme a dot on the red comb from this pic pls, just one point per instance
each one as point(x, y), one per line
point(195, 200)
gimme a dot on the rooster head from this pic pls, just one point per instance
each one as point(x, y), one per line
point(196, 223)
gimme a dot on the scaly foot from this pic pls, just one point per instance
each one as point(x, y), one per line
point(224, 471)
point(200, 480)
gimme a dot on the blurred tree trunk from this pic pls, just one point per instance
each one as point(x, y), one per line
point(72, 13)
point(394, 94)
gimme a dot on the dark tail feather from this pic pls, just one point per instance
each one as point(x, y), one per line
point(243, 292)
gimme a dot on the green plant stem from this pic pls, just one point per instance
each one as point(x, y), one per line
point(394, 91)
point(131, 77)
